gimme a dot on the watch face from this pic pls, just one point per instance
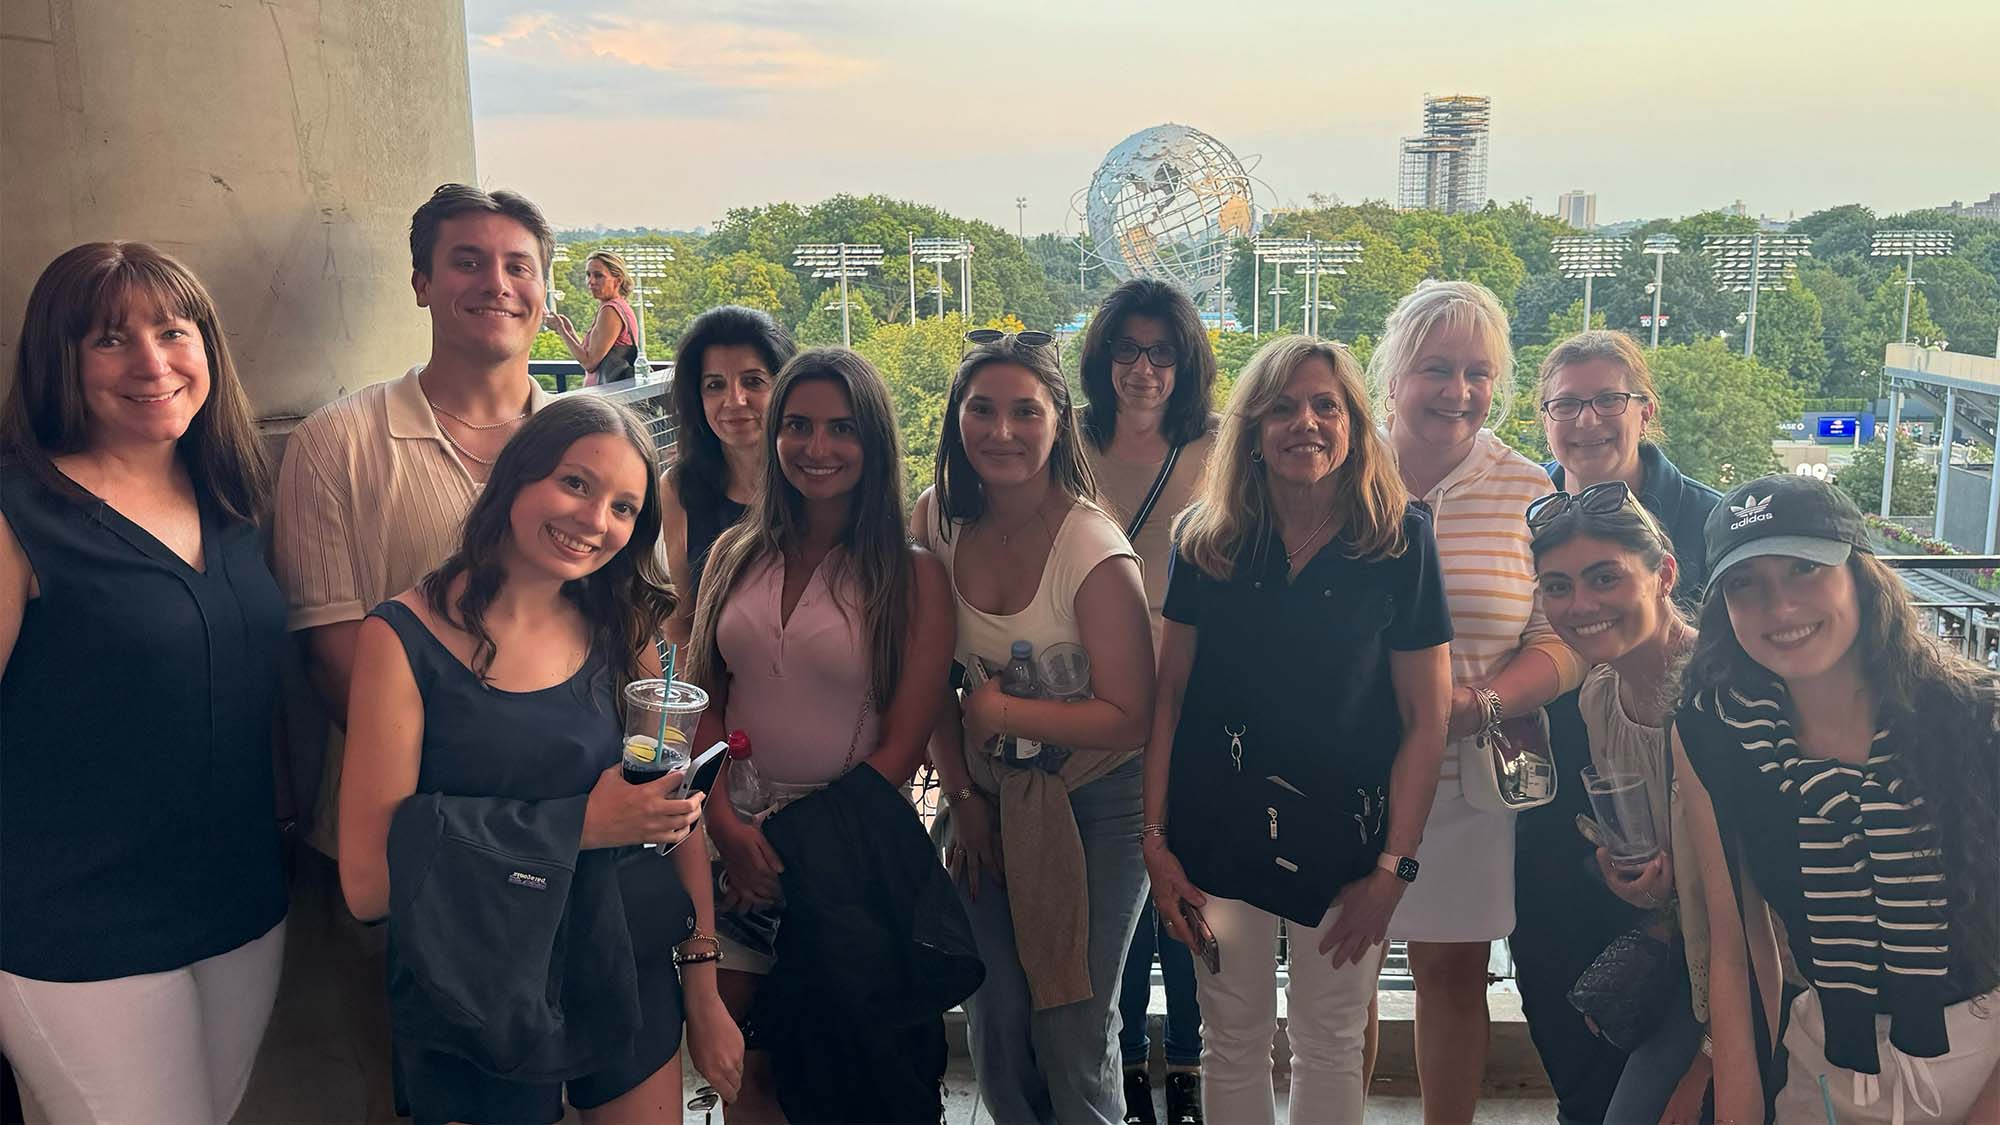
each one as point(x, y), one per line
point(1406, 870)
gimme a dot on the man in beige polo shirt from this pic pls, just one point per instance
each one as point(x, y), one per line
point(370, 497)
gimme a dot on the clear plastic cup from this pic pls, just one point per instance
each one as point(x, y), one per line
point(1620, 804)
point(659, 732)
point(1064, 669)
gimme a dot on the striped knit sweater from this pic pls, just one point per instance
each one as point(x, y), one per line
point(1872, 877)
point(1480, 512)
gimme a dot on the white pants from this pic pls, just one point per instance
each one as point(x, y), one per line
point(172, 1047)
point(1908, 1089)
point(1327, 1019)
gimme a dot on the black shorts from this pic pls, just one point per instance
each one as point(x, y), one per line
point(433, 1086)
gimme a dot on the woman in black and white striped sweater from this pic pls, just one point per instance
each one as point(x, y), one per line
point(1841, 775)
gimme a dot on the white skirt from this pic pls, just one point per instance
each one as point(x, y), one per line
point(1908, 1089)
point(1465, 880)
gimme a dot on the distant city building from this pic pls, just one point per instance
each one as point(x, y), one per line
point(1445, 169)
point(1987, 209)
point(1578, 208)
point(1737, 209)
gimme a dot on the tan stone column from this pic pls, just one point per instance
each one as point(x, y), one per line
point(276, 146)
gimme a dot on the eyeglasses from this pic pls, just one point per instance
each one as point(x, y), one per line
point(1597, 500)
point(1609, 404)
point(1159, 355)
point(1029, 338)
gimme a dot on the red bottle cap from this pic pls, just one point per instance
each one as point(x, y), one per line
point(739, 745)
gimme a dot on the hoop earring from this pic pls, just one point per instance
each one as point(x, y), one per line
point(1257, 456)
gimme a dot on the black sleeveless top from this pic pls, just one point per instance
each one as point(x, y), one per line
point(542, 745)
point(138, 827)
point(705, 523)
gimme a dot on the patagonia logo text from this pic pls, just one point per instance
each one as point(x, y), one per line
point(533, 882)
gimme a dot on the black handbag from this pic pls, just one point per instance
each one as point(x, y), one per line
point(1627, 990)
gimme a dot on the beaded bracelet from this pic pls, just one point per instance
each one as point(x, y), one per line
point(697, 958)
point(1159, 830)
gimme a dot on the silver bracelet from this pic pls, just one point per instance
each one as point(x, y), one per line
point(1489, 702)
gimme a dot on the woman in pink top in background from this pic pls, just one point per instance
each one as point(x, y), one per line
point(610, 350)
point(820, 631)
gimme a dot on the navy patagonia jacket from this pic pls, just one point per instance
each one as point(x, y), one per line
point(508, 946)
point(1681, 504)
point(873, 950)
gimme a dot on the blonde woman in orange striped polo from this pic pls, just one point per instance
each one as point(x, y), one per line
point(1443, 368)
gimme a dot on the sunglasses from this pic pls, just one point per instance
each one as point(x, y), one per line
point(1597, 500)
point(1028, 338)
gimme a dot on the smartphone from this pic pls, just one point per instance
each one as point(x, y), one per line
point(1204, 938)
point(709, 763)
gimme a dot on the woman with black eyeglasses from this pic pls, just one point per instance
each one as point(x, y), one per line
point(1045, 845)
point(1601, 413)
point(1600, 409)
point(1150, 377)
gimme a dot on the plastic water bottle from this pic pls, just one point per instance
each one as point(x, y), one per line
point(1020, 680)
point(747, 791)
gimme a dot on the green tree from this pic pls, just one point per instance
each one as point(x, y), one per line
point(1720, 411)
point(1791, 336)
point(1914, 492)
point(917, 362)
point(821, 327)
point(1874, 328)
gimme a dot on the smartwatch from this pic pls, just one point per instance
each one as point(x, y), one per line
point(1401, 866)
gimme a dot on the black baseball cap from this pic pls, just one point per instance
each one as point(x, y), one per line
point(1793, 516)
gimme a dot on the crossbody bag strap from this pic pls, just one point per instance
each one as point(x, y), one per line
point(854, 740)
point(1153, 494)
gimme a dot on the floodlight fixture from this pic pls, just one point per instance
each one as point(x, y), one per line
point(1582, 256)
point(1751, 263)
point(842, 260)
point(1659, 246)
point(1910, 245)
point(1322, 258)
point(935, 252)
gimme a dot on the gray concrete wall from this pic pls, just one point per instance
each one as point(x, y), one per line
point(1966, 507)
point(275, 146)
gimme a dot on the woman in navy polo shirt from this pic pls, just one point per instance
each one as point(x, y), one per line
point(141, 899)
point(1299, 727)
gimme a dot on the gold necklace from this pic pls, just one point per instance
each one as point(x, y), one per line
point(474, 425)
point(1310, 536)
point(467, 453)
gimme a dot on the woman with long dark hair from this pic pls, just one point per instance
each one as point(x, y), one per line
point(1841, 775)
point(1298, 730)
point(1607, 573)
point(502, 676)
point(724, 368)
point(141, 897)
point(1044, 793)
point(825, 636)
point(1149, 426)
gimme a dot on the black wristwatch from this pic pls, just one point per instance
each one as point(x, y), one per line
point(1401, 866)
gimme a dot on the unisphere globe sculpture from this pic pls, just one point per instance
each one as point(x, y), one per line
point(1165, 203)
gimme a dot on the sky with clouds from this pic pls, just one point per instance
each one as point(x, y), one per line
point(667, 114)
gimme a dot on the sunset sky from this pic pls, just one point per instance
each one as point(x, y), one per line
point(640, 112)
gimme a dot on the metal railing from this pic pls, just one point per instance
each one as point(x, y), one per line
point(648, 397)
point(1957, 612)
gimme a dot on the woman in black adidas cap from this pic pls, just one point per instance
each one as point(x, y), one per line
point(1841, 773)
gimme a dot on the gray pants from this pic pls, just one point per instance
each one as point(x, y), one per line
point(1656, 1066)
point(1062, 1064)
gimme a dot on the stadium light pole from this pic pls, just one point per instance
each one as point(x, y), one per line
point(1280, 252)
point(1021, 217)
point(1659, 246)
point(1324, 258)
point(1589, 259)
point(1752, 263)
point(645, 262)
point(842, 260)
point(935, 252)
point(1910, 245)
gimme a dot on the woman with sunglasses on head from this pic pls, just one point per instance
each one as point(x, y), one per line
point(1044, 794)
point(491, 698)
point(1296, 739)
point(1840, 773)
point(142, 896)
point(1443, 359)
point(1607, 574)
point(825, 636)
point(1601, 413)
point(611, 347)
point(723, 371)
point(1150, 377)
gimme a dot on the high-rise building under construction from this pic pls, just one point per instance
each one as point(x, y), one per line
point(1445, 169)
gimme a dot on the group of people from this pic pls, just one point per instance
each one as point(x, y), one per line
point(1332, 632)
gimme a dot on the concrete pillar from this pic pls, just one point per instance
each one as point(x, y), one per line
point(1889, 447)
point(1944, 458)
point(277, 147)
